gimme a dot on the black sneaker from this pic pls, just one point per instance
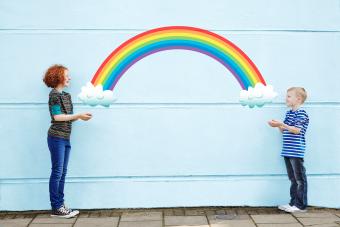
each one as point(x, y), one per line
point(70, 210)
point(62, 213)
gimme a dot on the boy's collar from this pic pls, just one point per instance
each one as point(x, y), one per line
point(292, 109)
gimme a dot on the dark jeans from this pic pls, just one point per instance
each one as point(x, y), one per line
point(60, 152)
point(297, 176)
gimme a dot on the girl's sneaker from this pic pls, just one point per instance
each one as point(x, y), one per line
point(63, 213)
point(70, 210)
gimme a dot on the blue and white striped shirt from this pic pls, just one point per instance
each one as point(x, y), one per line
point(294, 145)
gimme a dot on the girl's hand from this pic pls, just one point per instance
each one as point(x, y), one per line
point(85, 116)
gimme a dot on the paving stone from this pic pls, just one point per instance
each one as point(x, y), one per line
point(185, 220)
point(267, 211)
point(231, 211)
point(273, 218)
point(314, 215)
point(19, 222)
point(220, 212)
point(194, 212)
point(232, 223)
point(141, 224)
point(229, 217)
point(241, 211)
point(281, 225)
point(51, 225)
point(84, 214)
point(9, 216)
point(141, 216)
point(46, 219)
point(25, 215)
point(43, 216)
point(243, 220)
point(325, 225)
point(94, 214)
point(93, 222)
point(116, 214)
point(210, 212)
point(168, 212)
point(318, 221)
point(187, 225)
point(105, 213)
point(179, 212)
point(252, 212)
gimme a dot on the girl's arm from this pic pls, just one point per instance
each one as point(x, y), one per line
point(72, 117)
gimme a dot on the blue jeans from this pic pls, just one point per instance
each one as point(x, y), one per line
point(60, 152)
point(297, 176)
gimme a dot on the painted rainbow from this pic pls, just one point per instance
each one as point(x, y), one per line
point(177, 37)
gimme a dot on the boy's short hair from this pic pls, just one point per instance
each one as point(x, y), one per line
point(54, 75)
point(300, 92)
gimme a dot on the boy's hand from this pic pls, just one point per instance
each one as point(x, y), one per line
point(275, 123)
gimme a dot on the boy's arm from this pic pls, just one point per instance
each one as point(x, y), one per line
point(276, 124)
point(281, 126)
point(281, 129)
point(292, 129)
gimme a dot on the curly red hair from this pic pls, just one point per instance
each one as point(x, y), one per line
point(54, 76)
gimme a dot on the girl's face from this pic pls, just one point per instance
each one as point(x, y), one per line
point(67, 79)
point(291, 99)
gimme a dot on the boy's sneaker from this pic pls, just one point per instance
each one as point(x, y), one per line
point(284, 207)
point(295, 209)
point(70, 210)
point(62, 213)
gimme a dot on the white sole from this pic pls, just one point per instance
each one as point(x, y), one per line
point(71, 215)
point(296, 211)
point(282, 208)
point(76, 212)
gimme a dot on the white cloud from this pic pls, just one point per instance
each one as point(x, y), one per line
point(257, 96)
point(93, 96)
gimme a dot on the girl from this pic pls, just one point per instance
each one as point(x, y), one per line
point(58, 139)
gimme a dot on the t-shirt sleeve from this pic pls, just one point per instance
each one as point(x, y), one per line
point(286, 118)
point(302, 120)
point(55, 105)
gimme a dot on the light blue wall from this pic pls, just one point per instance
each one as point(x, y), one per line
point(177, 135)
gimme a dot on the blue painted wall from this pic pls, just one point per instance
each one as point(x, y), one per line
point(177, 135)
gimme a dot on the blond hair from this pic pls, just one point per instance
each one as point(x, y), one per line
point(299, 92)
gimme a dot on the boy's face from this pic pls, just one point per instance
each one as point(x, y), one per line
point(292, 100)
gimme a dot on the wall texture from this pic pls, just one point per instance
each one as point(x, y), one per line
point(177, 135)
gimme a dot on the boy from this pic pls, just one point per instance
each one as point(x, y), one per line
point(293, 130)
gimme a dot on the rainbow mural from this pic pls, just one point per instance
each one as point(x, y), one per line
point(177, 37)
point(255, 91)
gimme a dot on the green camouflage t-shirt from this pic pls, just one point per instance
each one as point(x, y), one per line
point(60, 103)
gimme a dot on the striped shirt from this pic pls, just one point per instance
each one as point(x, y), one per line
point(294, 145)
point(60, 103)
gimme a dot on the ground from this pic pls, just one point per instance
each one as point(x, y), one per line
point(171, 217)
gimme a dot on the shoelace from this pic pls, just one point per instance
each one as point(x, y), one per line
point(62, 210)
point(66, 208)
